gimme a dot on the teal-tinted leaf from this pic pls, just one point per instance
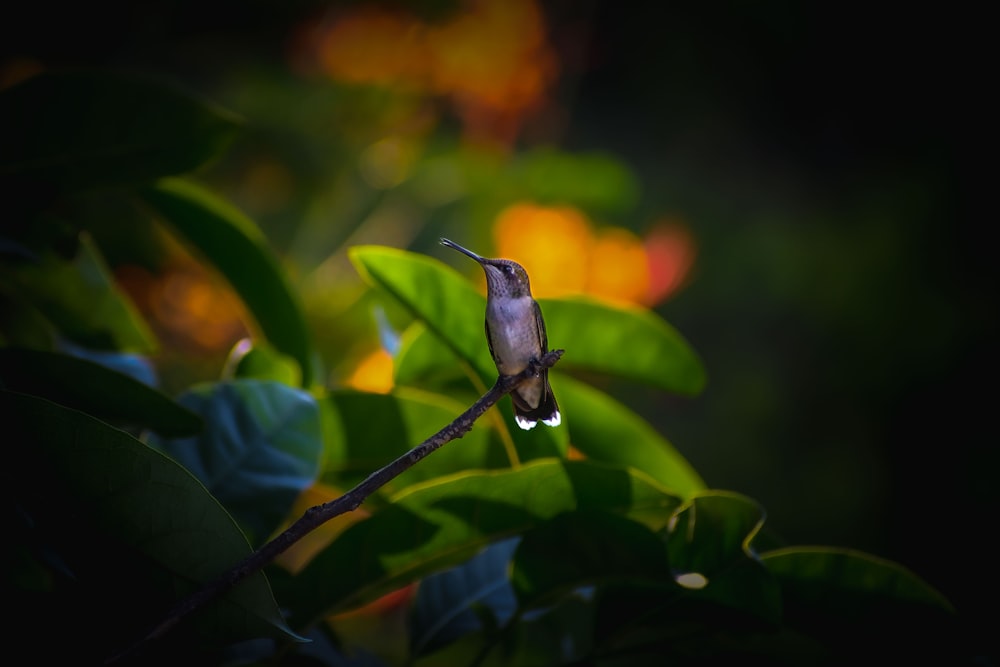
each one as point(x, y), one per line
point(586, 548)
point(80, 298)
point(95, 389)
point(370, 430)
point(233, 244)
point(260, 361)
point(627, 342)
point(710, 552)
point(134, 528)
point(76, 129)
point(856, 604)
point(605, 430)
point(464, 599)
point(430, 527)
point(259, 450)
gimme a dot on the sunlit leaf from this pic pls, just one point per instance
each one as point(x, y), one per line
point(237, 248)
point(628, 342)
point(603, 429)
point(80, 298)
point(132, 526)
point(373, 429)
point(260, 361)
point(75, 129)
point(259, 450)
point(94, 389)
point(436, 294)
point(430, 527)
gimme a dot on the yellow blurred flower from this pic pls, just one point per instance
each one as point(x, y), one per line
point(373, 373)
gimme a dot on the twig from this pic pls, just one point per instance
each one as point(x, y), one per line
point(350, 501)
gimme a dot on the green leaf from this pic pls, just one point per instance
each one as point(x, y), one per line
point(373, 429)
point(856, 604)
point(437, 295)
point(133, 528)
point(79, 297)
point(260, 361)
point(710, 552)
point(432, 526)
point(90, 387)
point(581, 548)
point(236, 247)
point(77, 129)
point(259, 450)
point(605, 430)
point(628, 342)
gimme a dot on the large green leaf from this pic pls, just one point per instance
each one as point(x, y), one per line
point(260, 448)
point(94, 389)
point(605, 430)
point(131, 528)
point(437, 295)
point(79, 297)
point(233, 244)
point(367, 431)
point(628, 342)
point(858, 604)
point(75, 129)
point(432, 526)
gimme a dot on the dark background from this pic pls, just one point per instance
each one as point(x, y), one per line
point(831, 162)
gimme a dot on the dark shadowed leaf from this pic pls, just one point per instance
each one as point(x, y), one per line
point(64, 130)
point(94, 389)
point(430, 527)
point(78, 296)
point(464, 599)
point(133, 528)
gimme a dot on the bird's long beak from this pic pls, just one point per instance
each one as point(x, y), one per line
point(464, 251)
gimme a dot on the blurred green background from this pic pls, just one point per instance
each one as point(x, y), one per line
point(814, 158)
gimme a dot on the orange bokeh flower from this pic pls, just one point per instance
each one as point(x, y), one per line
point(563, 254)
point(491, 58)
point(373, 373)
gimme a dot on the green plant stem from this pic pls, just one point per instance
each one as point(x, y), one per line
point(350, 501)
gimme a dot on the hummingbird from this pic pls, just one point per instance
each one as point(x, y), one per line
point(515, 333)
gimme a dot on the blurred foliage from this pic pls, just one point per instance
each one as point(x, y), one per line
point(211, 321)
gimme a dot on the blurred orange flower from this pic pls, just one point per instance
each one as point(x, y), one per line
point(491, 57)
point(563, 254)
point(373, 373)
